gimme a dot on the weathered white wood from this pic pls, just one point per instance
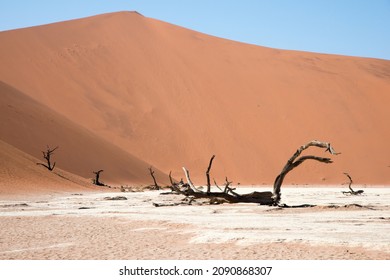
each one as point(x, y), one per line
point(187, 174)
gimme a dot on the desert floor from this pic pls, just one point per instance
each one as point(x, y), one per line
point(87, 226)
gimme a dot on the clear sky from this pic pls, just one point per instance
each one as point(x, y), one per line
point(348, 27)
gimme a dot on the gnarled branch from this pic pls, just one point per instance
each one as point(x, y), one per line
point(228, 195)
point(47, 156)
point(155, 186)
point(294, 162)
point(352, 192)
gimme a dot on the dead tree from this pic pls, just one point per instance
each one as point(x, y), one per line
point(190, 185)
point(47, 155)
point(215, 182)
point(264, 198)
point(97, 176)
point(174, 185)
point(228, 195)
point(155, 186)
point(294, 161)
point(208, 174)
point(351, 192)
point(171, 179)
point(228, 189)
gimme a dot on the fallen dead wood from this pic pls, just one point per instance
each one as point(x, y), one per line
point(155, 204)
point(175, 186)
point(263, 198)
point(185, 201)
point(190, 186)
point(116, 198)
point(228, 195)
point(351, 191)
point(297, 206)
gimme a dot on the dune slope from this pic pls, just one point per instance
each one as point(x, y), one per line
point(21, 176)
point(30, 126)
point(173, 97)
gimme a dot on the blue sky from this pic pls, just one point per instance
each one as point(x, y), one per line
point(348, 27)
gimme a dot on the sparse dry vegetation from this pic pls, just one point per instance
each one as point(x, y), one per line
point(47, 156)
point(96, 181)
point(229, 195)
point(351, 191)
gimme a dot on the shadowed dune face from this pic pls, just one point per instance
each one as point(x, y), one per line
point(174, 97)
point(31, 126)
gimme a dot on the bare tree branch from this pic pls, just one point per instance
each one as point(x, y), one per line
point(350, 180)
point(156, 186)
point(187, 174)
point(228, 195)
point(97, 176)
point(174, 186)
point(294, 162)
point(208, 174)
point(215, 182)
point(352, 192)
point(228, 189)
point(47, 155)
point(171, 179)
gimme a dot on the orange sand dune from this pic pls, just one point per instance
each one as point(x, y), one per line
point(21, 176)
point(31, 126)
point(174, 97)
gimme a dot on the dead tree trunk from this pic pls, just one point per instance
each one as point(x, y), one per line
point(294, 161)
point(208, 174)
point(47, 155)
point(174, 185)
point(264, 198)
point(171, 179)
point(156, 186)
point(228, 195)
point(97, 177)
point(352, 192)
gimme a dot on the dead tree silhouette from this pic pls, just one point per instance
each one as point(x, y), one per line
point(47, 156)
point(229, 194)
point(97, 177)
point(351, 192)
point(294, 162)
point(155, 186)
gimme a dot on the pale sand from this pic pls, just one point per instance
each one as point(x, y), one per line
point(52, 237)
point(54, 227)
